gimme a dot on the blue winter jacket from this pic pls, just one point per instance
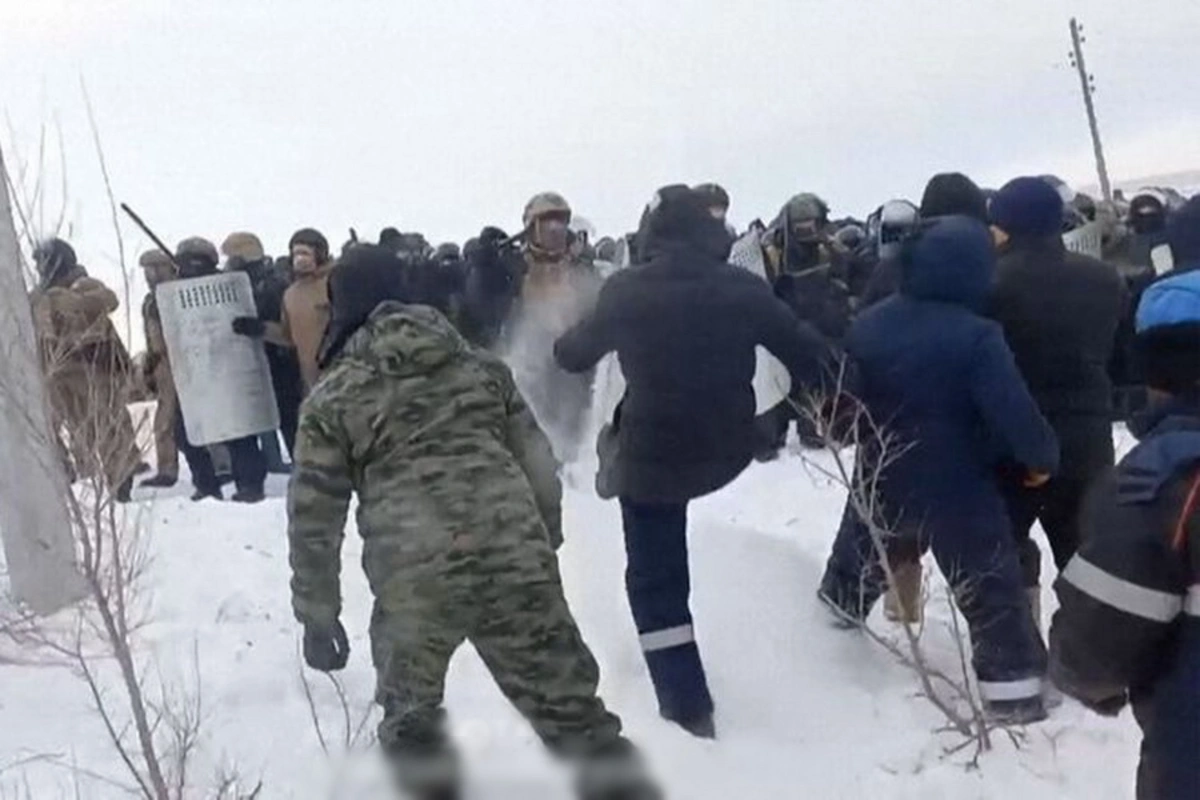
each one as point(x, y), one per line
point(940, 378)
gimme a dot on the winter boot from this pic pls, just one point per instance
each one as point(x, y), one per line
point(249, 496)
point(159, 481)
point(1016, 712)
point(903, 602)
point(840, 617)
point(124, 492)
point(701, 727)
point(141, 469)
point(203, 494)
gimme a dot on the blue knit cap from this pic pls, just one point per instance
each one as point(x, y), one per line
point(1172, 301)
point(1028, 207)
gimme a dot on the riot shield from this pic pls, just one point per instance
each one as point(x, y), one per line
point(1086, 240)
point(223, 379)
point(772, 383)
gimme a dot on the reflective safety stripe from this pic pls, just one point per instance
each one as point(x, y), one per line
point(666, 638)
point(1121, 594)
point(1191, 606)
point(999, 691)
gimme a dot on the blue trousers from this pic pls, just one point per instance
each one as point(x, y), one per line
point(977, 555)
point(658, 582)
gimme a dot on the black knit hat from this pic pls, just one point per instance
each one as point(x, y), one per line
point(365, 277)
point(953, 194)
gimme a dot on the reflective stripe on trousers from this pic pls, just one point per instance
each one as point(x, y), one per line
point(653, 641)
point(1001, 691)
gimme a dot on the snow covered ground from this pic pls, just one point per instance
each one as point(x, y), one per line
point(804, 710)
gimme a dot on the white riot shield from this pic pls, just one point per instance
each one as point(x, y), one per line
point(39, 545)
point(772, 383)
point(223, 379)
point(1087, 240)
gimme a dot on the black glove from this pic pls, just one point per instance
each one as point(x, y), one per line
point(326, 649)
point(249, 326)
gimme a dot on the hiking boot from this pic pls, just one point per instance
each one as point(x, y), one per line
point(160, 481)
point(249, 496)
point(1016, 712)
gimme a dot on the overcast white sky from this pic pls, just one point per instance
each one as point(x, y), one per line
point(445, 115)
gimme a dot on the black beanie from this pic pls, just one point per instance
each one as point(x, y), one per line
point(365, 277)
point(953, 194)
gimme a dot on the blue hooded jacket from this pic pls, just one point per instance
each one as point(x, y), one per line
point(940, 377)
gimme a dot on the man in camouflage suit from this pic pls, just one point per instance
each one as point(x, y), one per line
point(87, 367)
point(159, 269)
point(459, 508)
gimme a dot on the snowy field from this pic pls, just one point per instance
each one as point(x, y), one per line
point(804, 710)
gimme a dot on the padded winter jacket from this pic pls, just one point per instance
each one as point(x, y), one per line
point(1129, 617)
point(938, 377)
point(685, 325)
point(1060, 312)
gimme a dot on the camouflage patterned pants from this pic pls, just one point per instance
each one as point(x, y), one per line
point(526, 636)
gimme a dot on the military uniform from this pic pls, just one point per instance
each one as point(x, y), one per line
point(459, 508)
point(557, 292)
point(159, 377)
point(87, 372)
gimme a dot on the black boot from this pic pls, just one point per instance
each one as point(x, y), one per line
point(124, 491)
point(249, 496)
point(204, 494)
point(1017, 712)
point(160, 481)
point(701, 727)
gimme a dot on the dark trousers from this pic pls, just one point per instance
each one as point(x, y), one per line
point(249, 464)
point(658, 582)
point(1057, 505)
point(980, 563)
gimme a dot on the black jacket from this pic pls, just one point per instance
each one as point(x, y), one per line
point(685, 325)
point(1060, 313)
point(1128, 626)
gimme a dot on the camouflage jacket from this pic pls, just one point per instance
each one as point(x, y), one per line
point(453, 476)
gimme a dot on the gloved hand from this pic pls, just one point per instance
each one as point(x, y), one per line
point(249, 326)
point(326, 649)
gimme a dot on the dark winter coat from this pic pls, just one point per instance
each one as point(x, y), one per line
point(884, 282)
point(939, 377)
point(1129, 618)
point(685, 325)
point(268, 284)
point(1060, 312)
point(491, 287)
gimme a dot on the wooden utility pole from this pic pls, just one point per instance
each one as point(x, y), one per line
point(1087, 82)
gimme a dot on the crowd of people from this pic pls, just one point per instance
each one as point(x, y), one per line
point(444, 386)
